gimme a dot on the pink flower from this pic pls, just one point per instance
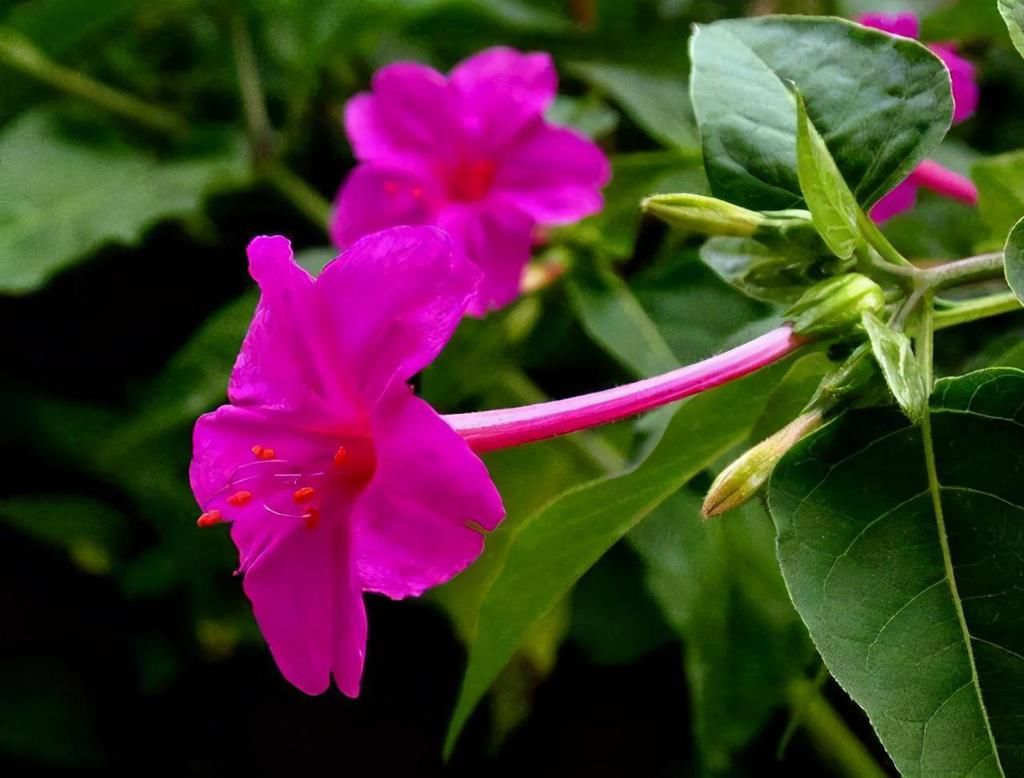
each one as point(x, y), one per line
point(472, 154)
point(335, 478)
point(930, 175)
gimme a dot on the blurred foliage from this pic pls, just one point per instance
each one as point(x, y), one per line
point(127, 641)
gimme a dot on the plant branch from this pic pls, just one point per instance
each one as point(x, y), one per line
point(261, 136)
point(829, 734)
point(22, 55)
point(965, 271)
point(980, 308)
point(300, 194)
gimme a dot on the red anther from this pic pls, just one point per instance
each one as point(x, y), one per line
point(303, 494)
point(256, 450)
point(267, 453)
point(340, 456)
point(311, 518)
point(209, 518)
point(240, 498)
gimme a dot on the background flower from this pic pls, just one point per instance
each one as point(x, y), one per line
point(930, 175)
point(472, 154)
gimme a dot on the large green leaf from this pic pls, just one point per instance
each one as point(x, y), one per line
point(61, 200)
point(555, 546)
point(615, 319)
point(1013, 258)
point(1000, 182)
point(911, 591)
point(880, 102)
point(659, 103)
point(1012, 12)
point(719, 586)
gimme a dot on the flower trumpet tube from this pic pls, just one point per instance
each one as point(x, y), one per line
point(491, 430)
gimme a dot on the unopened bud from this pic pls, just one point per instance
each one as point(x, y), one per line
point(744, 478)
point(703, 215)
point(834, 305)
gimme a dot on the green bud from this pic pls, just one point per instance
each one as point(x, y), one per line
point(835, 304)
point(703, 215)
point(744, 478)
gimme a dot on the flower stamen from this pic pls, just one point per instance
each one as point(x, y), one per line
point(303, 494)
point(210, 518)
point(240, 498)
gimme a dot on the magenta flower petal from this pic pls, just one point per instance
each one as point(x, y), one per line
point(395, 298)
point(322, 423)
point(281, 364)
point(498, 241)
point(375, 197)
point(417, 526)
point(905, 24)
point(298, 574)
point(501, 91)
point(965, 85)
point(409, 114)
point(902, 198)
point(308, 606)
point(554, 175)
point(474, 146)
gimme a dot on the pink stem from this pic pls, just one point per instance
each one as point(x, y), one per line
point(506, 427)
point(943, 181)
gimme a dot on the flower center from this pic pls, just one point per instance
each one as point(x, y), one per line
point(471, 179)
point(282, 488)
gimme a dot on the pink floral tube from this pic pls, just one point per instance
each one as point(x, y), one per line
point(490, 430)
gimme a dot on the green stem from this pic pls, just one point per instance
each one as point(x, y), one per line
point(973, 310)
point(965, 271)
point(304, 197)
point(925, 346)
point(21, 54)
point(306, 200)
point(261, 137)
point(829, 734)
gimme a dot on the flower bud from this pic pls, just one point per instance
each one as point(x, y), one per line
point(835, 304)
point(744, 478)
point(703, 215)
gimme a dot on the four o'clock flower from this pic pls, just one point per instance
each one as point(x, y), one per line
point(472, 154)
point(335, 478)
point(930, 175)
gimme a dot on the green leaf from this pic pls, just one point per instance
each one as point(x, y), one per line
point(1000, 182)
point(759, 271)
point(61, 200)
point(834, 210)
point(591, 117)
point(659, 103)
point(614, 318)
point(1013, 259)
point(58, 25)
point(911, 592)
point(1012, 12)
point(719, 586)
point(881, 103)
point(555, 546)
point(91, 532)
point(902, 371)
